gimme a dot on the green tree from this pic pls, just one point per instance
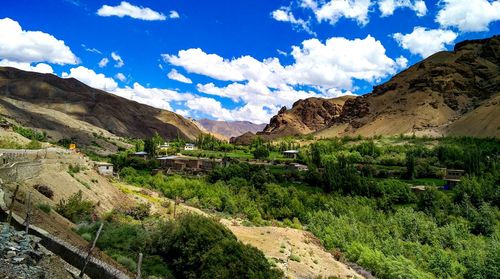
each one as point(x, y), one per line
point(261, 152)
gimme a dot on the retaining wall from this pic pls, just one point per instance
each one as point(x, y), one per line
point(96, 268)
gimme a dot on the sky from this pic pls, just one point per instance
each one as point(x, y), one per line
point(234, 59)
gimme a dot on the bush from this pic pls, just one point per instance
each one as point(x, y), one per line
point(138, 212)
point(295, 258)
point(260, 152)
point(74, 169)
point(75, 208)
point(127, 262)
point(194, 241)
point(44, 207)
point(44, 190)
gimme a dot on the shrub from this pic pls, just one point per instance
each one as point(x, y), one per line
point(75, 208)
point(126, 262)
point(295, 258)
point(74, 169)
point(44, 190)
point(44, 207)
point(138, 212)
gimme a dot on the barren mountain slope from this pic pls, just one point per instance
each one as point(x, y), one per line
point(68, 108)
point(230, 129)
point(449, 93)
point(305, 116)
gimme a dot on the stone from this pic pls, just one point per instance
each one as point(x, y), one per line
point(11, 254)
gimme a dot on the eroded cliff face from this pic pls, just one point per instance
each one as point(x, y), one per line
point(305, 116)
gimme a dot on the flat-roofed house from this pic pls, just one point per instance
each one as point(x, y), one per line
point(291, 154)
point(104, 168)
point(452, 178)
point(189, 146)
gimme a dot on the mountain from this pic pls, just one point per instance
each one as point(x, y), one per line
point(67, 108)
point(449, 93)
point(230, 129)
point(455, 93)
point(305, 116)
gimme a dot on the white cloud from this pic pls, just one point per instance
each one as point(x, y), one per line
point(127, 9)
point(333, 10)
point(104, 62)
point(468, 15)
point(174, 14)
point(121, 77)
point(319, 70)
point(334, 63)
point(155, 97)
point(39, 68)
point(285, 15)
point(387, 7)
point(118, 60)
point(91, 78)
point(425, 42)
point(19, 45)
point(175, 75)
point(402, 62)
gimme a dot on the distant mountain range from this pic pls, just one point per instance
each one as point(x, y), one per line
point(67, 108)
point(451, 93)
point(230, 129)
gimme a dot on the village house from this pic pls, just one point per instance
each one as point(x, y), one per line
point(452, 178)
point(189, 146)
point(298, 167)
point(178, 163)
point(165, 145)
point(292, 154)
point(104, 168)
point(140, 154)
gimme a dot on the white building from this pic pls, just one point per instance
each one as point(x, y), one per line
point(189, 146)
point(104, 168)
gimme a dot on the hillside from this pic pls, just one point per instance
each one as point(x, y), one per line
point(230, 129)
point(67, 108)
point(449, 93)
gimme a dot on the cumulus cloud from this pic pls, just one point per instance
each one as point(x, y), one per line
point(468, 15)
point(334, 63)
point(91, 78)
point(121, 77)
point(333, 10)
point(425, 42)
point(19, 45)
point(39, 68)
point(103, 63)
point(174, 14)
point(127, 9)
point(175, 75)
point(119, 61)
point(387, 7)
point(320, 69)
point(284, 14)
point(155, 97)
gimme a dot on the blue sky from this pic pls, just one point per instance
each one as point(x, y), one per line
point(234, 60)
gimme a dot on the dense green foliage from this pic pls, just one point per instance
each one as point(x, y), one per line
point(347, 200)
point(190, 247)
point(76, 209)
point(30, 133)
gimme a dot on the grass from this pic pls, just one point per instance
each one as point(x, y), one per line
point(295, 258)
point(44, 207)
point(426, 181)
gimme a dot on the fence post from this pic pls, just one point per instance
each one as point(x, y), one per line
point(11, 205)
point(28, 209)
point(89, 253)
point(139, 263)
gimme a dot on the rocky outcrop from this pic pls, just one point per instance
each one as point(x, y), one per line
point(305, 116)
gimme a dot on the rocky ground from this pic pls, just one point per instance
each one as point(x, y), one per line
point(22, 256)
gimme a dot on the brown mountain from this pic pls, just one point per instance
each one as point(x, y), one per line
point(449, 93)
point(67, 108)
point(305, 117)
point(230, 129)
